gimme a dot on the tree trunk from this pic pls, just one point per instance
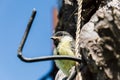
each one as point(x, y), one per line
point(100, 36)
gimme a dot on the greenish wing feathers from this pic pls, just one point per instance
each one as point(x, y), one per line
point(72, 43)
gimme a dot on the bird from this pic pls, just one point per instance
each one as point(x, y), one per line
point(64, 45)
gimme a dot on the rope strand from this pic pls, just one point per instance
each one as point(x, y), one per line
point(77, 45)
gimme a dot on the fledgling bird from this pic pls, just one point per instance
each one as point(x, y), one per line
point(64, 45)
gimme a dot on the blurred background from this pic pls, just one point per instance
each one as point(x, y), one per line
point(14, 16)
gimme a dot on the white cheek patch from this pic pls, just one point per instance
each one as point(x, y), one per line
point(66, 38)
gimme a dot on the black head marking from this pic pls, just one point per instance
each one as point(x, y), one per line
point(61, 33)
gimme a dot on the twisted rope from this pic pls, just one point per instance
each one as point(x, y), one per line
point(77, 45)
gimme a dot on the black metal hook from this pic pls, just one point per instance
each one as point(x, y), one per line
point(36, 59)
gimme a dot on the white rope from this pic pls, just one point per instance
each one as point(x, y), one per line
point(77, 45)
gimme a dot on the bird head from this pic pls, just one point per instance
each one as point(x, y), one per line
point(61, 36)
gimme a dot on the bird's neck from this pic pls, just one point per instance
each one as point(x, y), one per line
point(64, 44)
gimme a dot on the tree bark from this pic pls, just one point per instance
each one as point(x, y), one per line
point(100, 36)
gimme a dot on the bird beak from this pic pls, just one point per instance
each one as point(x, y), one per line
point(54, 38)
